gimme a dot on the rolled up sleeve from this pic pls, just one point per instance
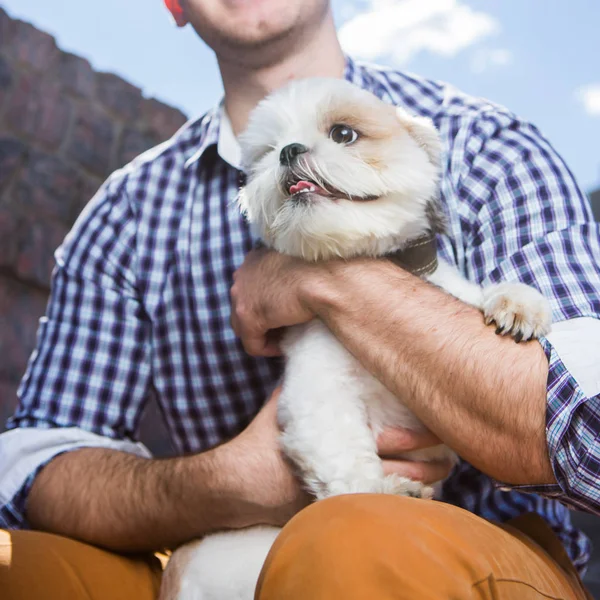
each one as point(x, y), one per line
point(24, 452)
point(573, 414)
point(525, 219)
point(87, 380)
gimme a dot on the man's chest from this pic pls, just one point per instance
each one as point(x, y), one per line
point(207, 386)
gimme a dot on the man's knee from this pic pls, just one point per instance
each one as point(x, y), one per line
point(36, 565)
point(342, 526)
point(359, 522)
point(361, 542)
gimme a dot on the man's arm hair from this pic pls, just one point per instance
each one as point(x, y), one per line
point(128, 504)
point(482, 394)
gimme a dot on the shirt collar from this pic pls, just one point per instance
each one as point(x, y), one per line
point(361, 75)
point(209, 135)
point(228, 146)
point(218, 130)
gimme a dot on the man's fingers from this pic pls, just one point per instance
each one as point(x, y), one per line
point(235, 322)
point(394, 441)
point(271, 404)
point(275, 394)
point(254, 344)
point(271, 349)
point(260, 346)
point(426, 472)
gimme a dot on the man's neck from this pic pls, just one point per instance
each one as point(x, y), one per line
point(319, 56)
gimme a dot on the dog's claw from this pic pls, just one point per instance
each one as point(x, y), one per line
point(517, 310)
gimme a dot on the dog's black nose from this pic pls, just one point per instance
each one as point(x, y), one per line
point(289, 153)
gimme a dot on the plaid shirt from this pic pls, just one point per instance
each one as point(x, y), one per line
point(140, 300)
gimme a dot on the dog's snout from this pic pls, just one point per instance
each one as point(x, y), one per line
point(290, 152)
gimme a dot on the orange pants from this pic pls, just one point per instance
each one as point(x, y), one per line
point(349, 547)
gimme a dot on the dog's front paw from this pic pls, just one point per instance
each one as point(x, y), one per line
point(390, 484)
point(402, 486)
point(517, 310)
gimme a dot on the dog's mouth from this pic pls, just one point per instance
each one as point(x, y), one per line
point(302, 186)
point(303, 189)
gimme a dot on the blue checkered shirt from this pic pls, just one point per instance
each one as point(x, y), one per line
point(140, 298)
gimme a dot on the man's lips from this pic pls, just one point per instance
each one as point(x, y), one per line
point(307, 186)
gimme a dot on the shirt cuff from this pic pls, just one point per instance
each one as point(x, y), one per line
point(573, 387)
point(24, 452)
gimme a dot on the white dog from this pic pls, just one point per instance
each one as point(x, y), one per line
point(335, 172)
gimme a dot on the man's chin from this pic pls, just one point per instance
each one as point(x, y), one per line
point(245, 44)
point(262, 28)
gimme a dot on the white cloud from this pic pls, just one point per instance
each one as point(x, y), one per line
point(486, 59)
point(401, 29)
point(589, 96)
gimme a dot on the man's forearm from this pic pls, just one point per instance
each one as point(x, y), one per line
point(483, 394)
point(127, 503)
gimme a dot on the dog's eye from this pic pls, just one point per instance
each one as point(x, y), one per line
point(342, 134)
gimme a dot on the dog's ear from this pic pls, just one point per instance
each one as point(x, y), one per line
point(423, 131)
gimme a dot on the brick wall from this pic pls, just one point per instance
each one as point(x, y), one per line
point(63, 129)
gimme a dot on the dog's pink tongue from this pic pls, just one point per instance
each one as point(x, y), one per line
point(301, 185)
point(306, 185)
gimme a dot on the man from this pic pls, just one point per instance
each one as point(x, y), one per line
point(141, 306)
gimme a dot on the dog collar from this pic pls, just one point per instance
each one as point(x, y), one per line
point(419, 257)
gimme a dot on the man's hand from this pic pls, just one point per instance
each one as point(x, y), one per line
point(276, 493)
point(272, 490)
point(270, 292)
point(393, 442)
point(267, 294)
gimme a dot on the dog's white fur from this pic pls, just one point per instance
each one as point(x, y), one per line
point(331, 409)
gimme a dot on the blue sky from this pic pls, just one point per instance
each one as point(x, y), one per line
point(541, 58)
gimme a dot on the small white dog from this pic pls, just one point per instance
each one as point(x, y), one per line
point(335, 172)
